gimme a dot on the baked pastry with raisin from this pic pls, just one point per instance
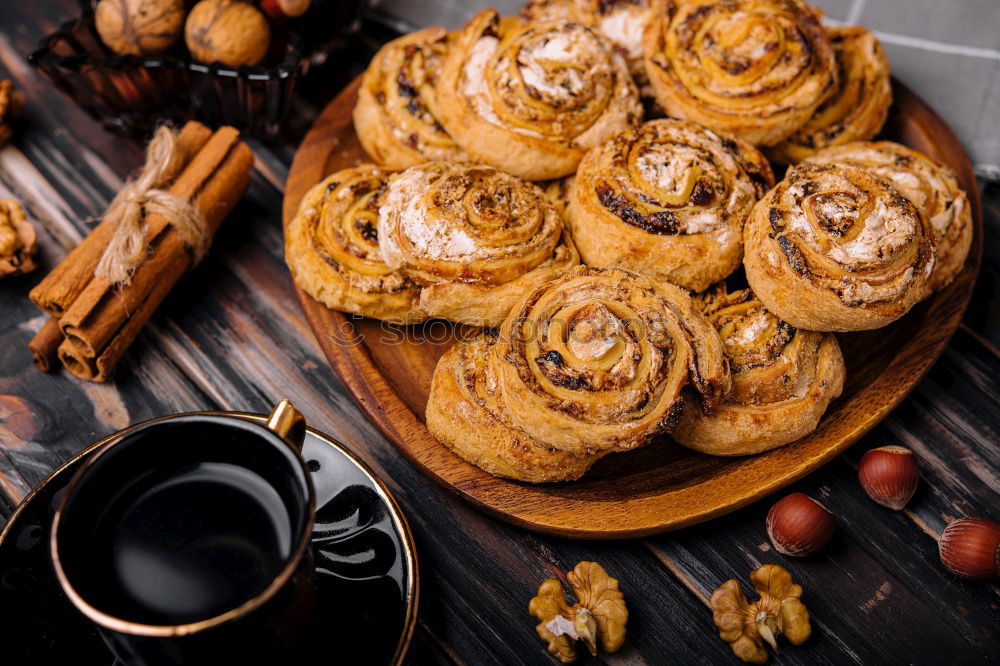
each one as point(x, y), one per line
point(836, 248)
point(857, 109)
point(397, 118)
point(466, 413)
point(621, 21)
point(475, 238)
point(784, 379)
point(930, 185)
point(332, 249)
point(668, 198)
point(757, 69)
point(532, 98)
point(600, 360)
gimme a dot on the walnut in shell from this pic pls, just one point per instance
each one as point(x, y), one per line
point(11, 106)
point(228, 31)
point(598, 618)
point(139, 27)
point(17, 240)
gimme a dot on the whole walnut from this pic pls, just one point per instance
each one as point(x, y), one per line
point(227, 31)
point(17, 240)
point(139, 27)
point(11, 106)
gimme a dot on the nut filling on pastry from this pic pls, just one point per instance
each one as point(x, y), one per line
point(532, 97)
point(929, 185)
point(397, 118)
point(657, 196)
point(756, 68)
point(597, 359)
point(333, 248)
point(468, 233)
point(837, 230)
point(783, 379)
point(858, 107)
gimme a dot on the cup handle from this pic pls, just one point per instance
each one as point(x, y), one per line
point(287, 422)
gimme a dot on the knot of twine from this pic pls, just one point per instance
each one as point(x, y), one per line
point(142, 196)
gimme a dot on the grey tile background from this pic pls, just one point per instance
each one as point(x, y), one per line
point(948, 51)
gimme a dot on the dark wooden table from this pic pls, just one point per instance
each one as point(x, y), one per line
point(231, 336)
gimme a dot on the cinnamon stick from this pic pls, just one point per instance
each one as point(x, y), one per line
point(104, 319)
point(57, 291)
point(45, 345)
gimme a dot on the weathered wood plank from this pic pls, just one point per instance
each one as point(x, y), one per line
point(232, 336)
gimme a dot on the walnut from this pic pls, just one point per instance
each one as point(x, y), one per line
point(598, 618)
point(139, 27)
point(17, 240)
point(11, 106)
point(227, 31)
point(746, 626)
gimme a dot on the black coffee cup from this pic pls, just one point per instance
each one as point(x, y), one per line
point(187, 539)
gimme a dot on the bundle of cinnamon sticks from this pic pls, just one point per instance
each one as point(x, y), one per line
point(93, 320)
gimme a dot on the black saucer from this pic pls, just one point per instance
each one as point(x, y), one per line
point(366, 570)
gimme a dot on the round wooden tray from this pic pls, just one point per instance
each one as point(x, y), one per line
point(662, 486)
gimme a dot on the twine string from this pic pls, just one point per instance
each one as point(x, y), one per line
point(142, 196)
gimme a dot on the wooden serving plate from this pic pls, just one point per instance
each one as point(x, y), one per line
point(662, 486)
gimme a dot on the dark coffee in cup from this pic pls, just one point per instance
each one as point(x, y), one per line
point(185, 544)
point(191, 532)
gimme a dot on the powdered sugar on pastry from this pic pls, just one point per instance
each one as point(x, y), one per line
point(883, 232)
point(429, 235)
point(552, 68)
point(624, 27)
point(474, 86)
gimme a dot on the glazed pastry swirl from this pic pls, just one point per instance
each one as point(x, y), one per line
point(531, 98)
point(465, 412)
point(396, 118)
point(473, 236)
point(931, 186)
point(655, 196)
point(754, 68)
point(621, 21)
point(834, 248)
point(332, 249)
point(596, 360)
point(783, 379)
point(857, 109)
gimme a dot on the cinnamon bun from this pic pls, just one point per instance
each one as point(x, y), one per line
point(783, 379)
point(532, 98)
point(597, 359)
point(754, 68)
point(397, 118)
point(930, 185)
point(465, 412)
point(621, 21)
point(858, 107)
point(668, 198)
point(474, 237)
point(332, 249)
point(836, 248)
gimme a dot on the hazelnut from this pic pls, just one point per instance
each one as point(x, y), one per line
point(970, 548)
point(798, 525)
point(889, 475)
point(227, 31)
